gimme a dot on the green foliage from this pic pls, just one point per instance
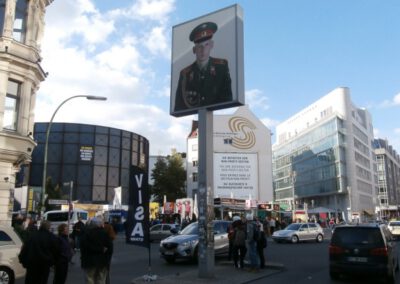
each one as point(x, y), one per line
point(52, 192)
point(169, 178)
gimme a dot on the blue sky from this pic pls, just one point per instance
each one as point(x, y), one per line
point(295, 52)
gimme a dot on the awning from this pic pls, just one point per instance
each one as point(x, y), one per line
point(321, 210)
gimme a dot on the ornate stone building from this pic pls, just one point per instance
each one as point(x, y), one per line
point(21, 30)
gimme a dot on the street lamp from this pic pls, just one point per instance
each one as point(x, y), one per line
point(47, 141)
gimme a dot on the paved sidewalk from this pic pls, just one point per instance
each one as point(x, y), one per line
point(224, 273)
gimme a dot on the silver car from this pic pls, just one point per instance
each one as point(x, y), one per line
point(297, 232)
point(184, 245)
point(162, 231)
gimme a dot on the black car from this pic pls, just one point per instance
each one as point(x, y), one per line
point(365, 249)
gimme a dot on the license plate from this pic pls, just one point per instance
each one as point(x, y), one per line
point(169, 252)
point(357, 259)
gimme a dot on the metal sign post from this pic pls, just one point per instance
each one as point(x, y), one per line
point(206, 195)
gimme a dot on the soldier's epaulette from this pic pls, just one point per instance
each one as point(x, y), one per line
point(187, 69)
point(219, 61)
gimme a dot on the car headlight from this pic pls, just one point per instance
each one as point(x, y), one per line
point(188, 244)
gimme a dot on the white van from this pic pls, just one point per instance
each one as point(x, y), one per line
point(57, 217)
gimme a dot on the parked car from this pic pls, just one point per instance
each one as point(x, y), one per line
point(184, 245)
point(394, 228)
point(159, 232)
point(297, 232)
point(58, 217)
point(365, 249)
point(10, 246)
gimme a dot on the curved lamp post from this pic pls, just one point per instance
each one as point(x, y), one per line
point(47, 142)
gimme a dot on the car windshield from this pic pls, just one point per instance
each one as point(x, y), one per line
point(293, 227)
point(357, 236)
point(191, 229)
point(394, 224)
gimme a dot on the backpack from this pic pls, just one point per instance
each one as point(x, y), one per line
point(239, 238)
point(262, 242)
point(256, 233)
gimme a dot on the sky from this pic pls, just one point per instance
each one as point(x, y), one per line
point(295, 52)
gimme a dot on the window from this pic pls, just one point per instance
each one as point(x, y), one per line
point(195, 177)
point(195, 147)
point(11, 106)
point(5, 239)
point(195, 163)
point(2, 13)
point(19, 28)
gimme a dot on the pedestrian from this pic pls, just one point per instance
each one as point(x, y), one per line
point(251, 244)
point(261, 245)
point(230, 230)
point(65, 255)
point(38, 254)
point(112, 234)
point(272, 224)
point(77, 231)
point(239, 242)
point(96, 246)
point(266, 226)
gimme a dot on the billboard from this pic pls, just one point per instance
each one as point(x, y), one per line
point(236, 175)
point(207, 63)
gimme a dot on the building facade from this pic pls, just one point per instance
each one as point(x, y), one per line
point(388, 167)
point(242, 157)
point(96, 159)
point(323, 158)
point(21, 31)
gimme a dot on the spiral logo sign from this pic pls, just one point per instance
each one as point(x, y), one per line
point(245, 137)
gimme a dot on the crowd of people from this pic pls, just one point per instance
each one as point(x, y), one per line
point(248, 235)
point(43, 250)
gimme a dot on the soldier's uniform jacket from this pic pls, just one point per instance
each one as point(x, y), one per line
point(197, 88)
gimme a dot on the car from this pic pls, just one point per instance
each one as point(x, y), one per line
point(10, 246)
point(364, 249)
point(184, 245)
point(297, 232)
point(162, 231)
point(394, 228)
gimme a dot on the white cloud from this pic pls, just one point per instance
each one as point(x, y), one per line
point(269, 122)
point(256, 99)
point(152, 9)
point(157, 43)
point(391, 103)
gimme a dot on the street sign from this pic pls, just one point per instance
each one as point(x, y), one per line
point(58, 202)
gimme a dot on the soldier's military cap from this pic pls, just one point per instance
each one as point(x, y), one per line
point(203, 32)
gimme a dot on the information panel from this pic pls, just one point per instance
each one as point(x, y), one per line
point(235, 175)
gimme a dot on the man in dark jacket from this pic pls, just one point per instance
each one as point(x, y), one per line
point(96, 251)
point(38, 254)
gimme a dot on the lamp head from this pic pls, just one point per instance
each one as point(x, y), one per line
point(98, 98)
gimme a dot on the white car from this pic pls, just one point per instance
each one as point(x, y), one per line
point(297, 232)
point(394, 228)
point(10, 246)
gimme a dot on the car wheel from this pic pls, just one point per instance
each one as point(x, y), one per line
point(6, 276)
point(170, 259)
point(196, 255)
point(320, 238)
point(295, 239)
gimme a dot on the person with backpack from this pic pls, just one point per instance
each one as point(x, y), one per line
point(251, 242)
point(238, 242)
point(261, 243)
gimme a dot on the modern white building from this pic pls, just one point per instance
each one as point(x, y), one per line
point(21, 31)
point(388, 166)
point(323, 158)
point(242, 157)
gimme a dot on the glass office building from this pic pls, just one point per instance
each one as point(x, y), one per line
point(95, 158)
point(324, 160)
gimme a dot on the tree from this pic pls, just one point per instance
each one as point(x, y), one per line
point(52, 193)
point(169, 178)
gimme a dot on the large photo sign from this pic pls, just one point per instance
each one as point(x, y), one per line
point(207, 63)
point(235, 175)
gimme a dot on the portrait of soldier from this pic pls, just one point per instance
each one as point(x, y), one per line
point(207, 80)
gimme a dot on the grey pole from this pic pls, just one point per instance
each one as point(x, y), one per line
point(47, 143)
point(206, 195)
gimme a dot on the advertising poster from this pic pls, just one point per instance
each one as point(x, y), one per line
point(207, 63)
point(137, 232)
